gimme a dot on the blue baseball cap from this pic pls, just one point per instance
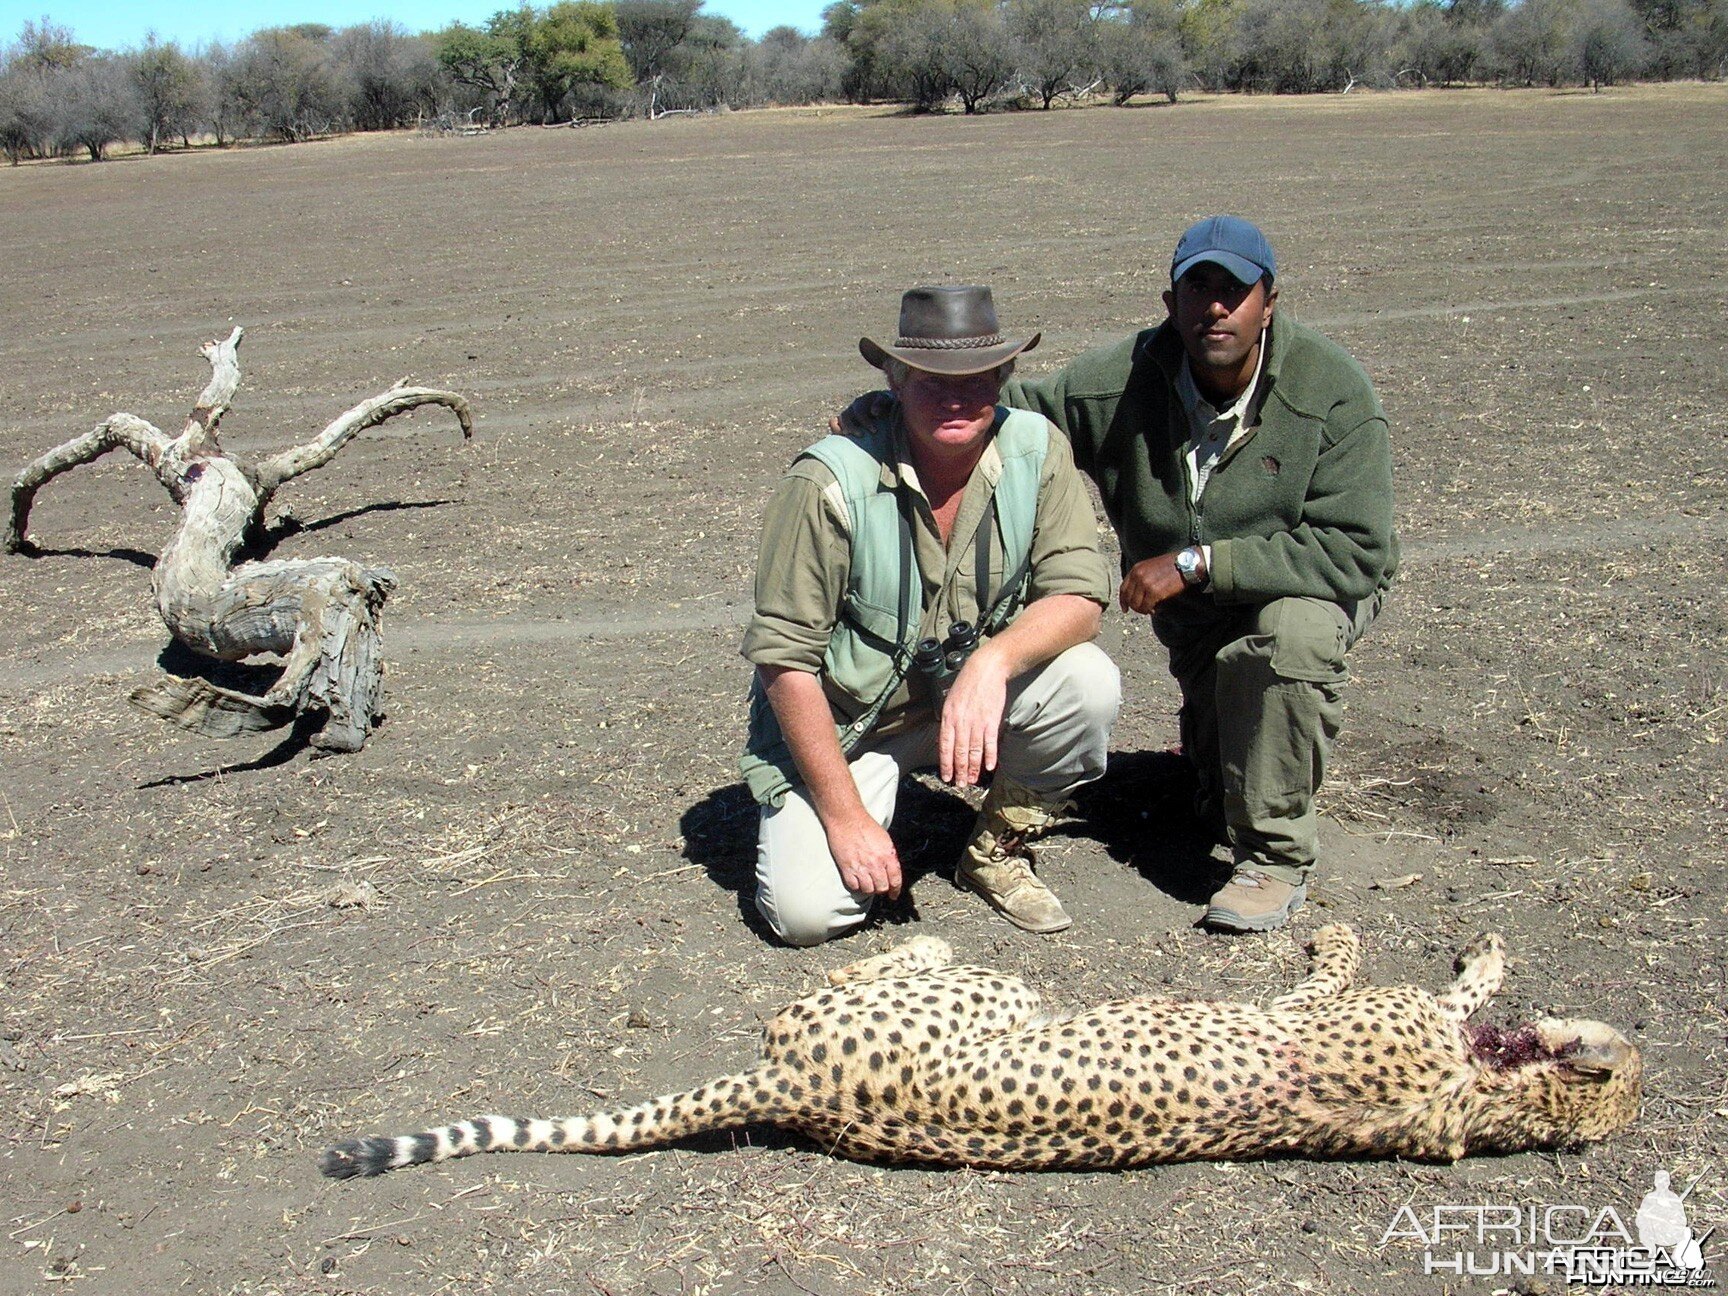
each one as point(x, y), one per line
point(1228, 241)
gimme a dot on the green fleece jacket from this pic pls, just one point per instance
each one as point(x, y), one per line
point(1301, 506)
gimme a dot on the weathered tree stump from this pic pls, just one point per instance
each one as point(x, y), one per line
point(320, 615)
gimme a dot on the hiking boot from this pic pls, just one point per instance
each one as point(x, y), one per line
point(1253, 901)
point(998, 860)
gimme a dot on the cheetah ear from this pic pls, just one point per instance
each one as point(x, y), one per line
point(1597, 1060)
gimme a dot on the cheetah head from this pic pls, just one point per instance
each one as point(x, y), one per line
point(1553, 1083)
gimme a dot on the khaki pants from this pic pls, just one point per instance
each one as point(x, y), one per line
point(1055, 736)
point(1262, 701)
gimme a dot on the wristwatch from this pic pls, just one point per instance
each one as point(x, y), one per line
point(1190, 566)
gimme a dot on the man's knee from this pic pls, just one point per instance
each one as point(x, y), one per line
point(1300, 639)
point(805, 918)
point(1088, 686)
point(806, 921)
point(1057, 734)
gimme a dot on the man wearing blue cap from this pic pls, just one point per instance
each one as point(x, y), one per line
point(1245, 464)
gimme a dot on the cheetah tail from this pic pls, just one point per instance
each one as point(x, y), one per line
point(720, 1104)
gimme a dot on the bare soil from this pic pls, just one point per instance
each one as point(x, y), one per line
point(530, 891)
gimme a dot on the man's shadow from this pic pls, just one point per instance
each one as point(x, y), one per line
point(1141, 812)
point(931, 827)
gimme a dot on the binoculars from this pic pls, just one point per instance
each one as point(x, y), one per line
point(941, 659)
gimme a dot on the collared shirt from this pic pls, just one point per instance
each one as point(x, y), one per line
point(1212, 431)
point(805, 562)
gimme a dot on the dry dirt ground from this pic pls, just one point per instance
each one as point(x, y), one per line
point(529, 892)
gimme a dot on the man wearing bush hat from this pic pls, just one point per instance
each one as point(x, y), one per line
point(926, 596)
point(1245, 463)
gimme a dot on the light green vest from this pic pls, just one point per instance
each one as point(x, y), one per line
point(870, 649)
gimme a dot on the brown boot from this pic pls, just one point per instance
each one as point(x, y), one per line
point(1253, 901)
point(998, 861)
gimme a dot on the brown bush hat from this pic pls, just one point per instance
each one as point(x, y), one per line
point(948, 330)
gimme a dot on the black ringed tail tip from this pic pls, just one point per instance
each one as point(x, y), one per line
point(361, 1158)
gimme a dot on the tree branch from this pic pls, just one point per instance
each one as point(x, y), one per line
point(149, 443)
point(290, 463)
point(224, 358)
point(117, 432)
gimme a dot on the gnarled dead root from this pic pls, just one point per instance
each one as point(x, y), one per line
point(321, 615)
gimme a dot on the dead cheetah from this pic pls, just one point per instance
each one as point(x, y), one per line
point(906, 1058)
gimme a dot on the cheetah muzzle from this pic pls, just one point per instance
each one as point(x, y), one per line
point(906, 1058)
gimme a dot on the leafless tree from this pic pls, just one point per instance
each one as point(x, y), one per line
point(979, 53)
point(1529, 42)
point(1140, 50)
point(799, 69)
point(390, 77)
point(651, 29)
point(285, 83)
point(1608, 43)
point(168, 92)
point(1055, 44)
point(96, 106)
point(909, 52)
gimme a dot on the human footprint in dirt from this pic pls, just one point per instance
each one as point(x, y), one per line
point(927, 594)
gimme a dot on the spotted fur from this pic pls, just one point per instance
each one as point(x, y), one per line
point(905, 1058)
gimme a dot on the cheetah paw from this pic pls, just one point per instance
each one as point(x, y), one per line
point(1488, 945)
point(920, 954)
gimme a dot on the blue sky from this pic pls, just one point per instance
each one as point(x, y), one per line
point(115, 24)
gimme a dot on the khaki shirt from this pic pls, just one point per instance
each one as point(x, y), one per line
point(805, 561)
point(1211, 430)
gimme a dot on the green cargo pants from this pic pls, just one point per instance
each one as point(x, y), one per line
point(1262, 700)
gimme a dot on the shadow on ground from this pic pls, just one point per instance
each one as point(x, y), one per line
point(263, 540)
point(137, 557)
point(931, 824)
point(1142, 813)
point(240, 677)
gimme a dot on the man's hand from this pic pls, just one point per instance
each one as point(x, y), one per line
point(862, 850)
point(972, 716)
point(1151, 583)
point(861, 413)
point(977, 702)
point(866, 857)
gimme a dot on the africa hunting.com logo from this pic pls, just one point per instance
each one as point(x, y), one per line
point(1581, 1244)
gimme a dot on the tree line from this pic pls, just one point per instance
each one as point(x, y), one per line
point(600, 59)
